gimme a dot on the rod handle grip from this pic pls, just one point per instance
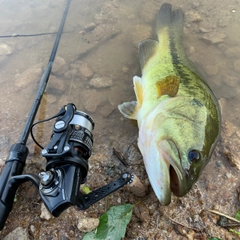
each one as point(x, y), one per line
point(8, 186)
point(5, 210)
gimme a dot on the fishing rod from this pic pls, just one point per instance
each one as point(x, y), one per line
point(18, 153)
point(67, 156)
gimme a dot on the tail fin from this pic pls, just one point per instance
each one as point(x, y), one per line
point(164, 17)
point(169, 29)
point(172, 22)
point(177, 24)
point(171, 19)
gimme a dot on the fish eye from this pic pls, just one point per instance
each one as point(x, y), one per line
point(193, 155)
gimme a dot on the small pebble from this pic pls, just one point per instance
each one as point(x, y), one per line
point(5, 49)
point(195, 4)
point(213, 37)
point(89, 100)
point(45, 214)
point(101, 82)
point(237, 66)
point(211, 70)
point(90, 27)
point(60, 66)
point(85, 70)
point(87, 224)
point(193, 16)
point(125, 69)
point(142, 212)
point(56, 83)
point(18, 233)
point(29, 77)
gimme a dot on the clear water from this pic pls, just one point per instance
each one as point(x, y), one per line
point(109, 49)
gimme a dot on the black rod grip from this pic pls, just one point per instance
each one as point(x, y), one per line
point(4, 212)
point(14, 166)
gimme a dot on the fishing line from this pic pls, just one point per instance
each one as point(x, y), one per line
point(44, 80)
point(14, 35)
point(27, 35)
point(76, 57)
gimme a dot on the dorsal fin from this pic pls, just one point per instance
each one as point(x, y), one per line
point(168, 86)
point(146, 49)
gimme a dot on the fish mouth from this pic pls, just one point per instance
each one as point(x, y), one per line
point(175, 185)
point(163, 165)
point(169, 154)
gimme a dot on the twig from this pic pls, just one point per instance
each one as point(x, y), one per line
point(224, 222)
point(192, 228)
point(120, 157)
point(96, 45)
point(223, 215)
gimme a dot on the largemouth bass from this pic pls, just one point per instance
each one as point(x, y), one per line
point(177, 113)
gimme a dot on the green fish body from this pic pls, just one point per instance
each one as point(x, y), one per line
point(177, 113)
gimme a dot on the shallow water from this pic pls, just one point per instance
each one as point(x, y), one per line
point(100, 40)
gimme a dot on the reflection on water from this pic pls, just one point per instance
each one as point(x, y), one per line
point(97, 58)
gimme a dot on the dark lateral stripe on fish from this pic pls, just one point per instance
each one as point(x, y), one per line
point(179, 58)
point(174, 21)
point(175, 32)
point(184, 69)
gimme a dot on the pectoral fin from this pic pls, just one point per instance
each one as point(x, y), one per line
point(168, 86)
point(137, 81)
point(128, 109)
